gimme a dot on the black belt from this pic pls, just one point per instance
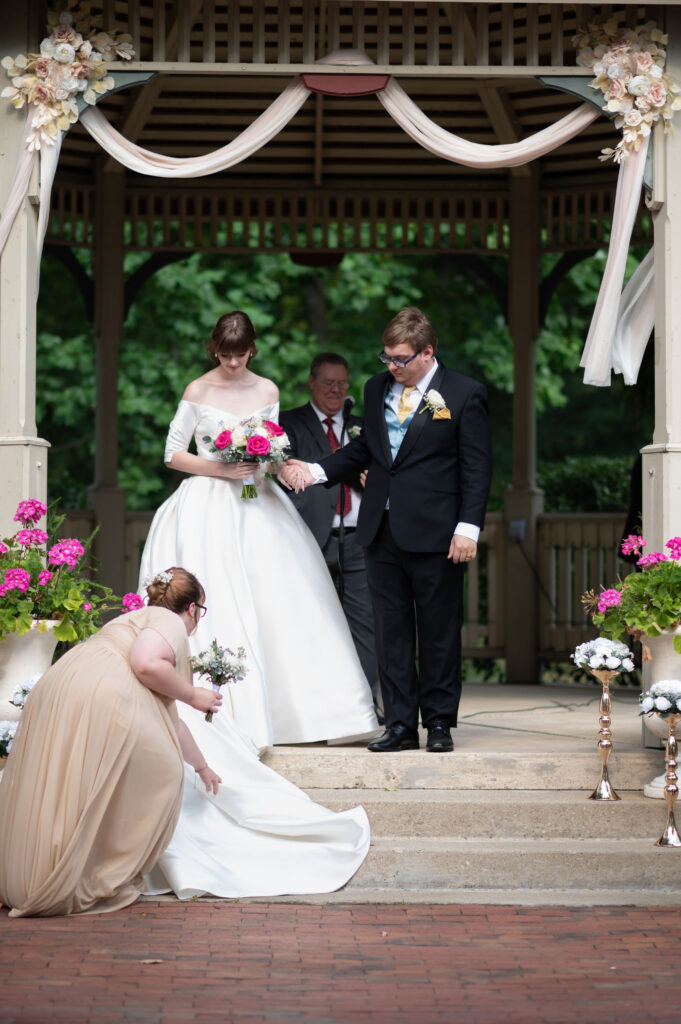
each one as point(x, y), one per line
point(335, 530)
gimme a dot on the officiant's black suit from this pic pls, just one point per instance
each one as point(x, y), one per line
point(410, 508)
point(317, 506)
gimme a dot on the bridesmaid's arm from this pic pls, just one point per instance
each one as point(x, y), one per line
point(153, 662)
point(194, 757)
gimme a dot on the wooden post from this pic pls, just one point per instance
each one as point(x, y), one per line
point(523, 502)
point(662, 458)
point(107, 499)
point(23, 455)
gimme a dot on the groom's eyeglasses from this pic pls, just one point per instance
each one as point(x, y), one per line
point(203, 608)
point(387, 360)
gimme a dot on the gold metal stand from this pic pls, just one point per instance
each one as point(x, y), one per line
point(670, 837)
point(604, 790)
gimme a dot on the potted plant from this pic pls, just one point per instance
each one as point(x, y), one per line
point(45, 597)
point(645, 603)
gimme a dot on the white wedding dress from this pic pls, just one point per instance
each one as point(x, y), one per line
point(268, 590)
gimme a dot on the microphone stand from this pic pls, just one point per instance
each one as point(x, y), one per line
point(347, 407)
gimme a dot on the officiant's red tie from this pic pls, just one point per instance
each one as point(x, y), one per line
point(347, 490)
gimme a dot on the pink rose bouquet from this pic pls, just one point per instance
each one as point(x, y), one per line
point(32, 594)
point(251, 440)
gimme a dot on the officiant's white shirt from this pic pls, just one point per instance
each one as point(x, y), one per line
point(462, 529)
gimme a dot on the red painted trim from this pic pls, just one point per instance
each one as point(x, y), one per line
point(346, 85)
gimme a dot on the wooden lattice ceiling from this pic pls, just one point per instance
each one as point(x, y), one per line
point(471, 67)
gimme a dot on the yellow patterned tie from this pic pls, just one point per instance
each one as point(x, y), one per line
point(404, 407)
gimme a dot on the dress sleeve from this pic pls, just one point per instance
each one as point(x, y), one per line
point(181, 429)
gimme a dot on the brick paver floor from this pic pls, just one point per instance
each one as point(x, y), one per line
point(409, 964)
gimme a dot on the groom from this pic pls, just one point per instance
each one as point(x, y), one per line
point(426, 443)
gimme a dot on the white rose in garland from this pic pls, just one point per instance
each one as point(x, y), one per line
point(628, 64)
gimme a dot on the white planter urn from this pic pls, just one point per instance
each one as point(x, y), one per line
point(666, 664)
point(20, 658)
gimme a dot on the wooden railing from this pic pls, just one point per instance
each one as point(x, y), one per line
point(575, 553)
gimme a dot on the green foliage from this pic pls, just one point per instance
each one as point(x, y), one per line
point(586, 483)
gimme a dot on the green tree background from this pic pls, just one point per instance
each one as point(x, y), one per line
point(587, 437)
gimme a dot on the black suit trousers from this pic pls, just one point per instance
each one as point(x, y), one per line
point(416, 595)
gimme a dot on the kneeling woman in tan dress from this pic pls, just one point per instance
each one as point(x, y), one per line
point(93, 784)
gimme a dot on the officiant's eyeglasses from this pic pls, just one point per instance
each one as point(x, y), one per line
point(387, 360)
point(203, 608)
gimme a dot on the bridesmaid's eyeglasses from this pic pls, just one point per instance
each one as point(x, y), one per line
point(203, 608)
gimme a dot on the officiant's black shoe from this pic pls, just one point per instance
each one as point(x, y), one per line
point(439, 738)
point(395, 737)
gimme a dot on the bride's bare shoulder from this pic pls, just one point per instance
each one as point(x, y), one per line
point(196, 389)
point(267, 390)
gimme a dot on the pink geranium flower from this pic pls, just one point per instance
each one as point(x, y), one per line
point(131, 602)
point(674, 546)
point(653, 559)
point(273, 429)
point(65, 552)
point(633, 544)
point(608, 599)
point(3, 548)
point(223, 440)
point(257, 445)
point(29, 511)
point(87, 607)
point(44, 577)
point(17, 579)
point(31, 538)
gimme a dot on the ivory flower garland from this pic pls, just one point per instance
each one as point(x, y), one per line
point(71, 62)
point(629, 67)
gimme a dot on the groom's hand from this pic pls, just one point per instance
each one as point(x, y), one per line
point(462, 549)
point(298, 475)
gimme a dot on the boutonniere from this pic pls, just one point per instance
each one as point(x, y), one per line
point(355, 430)
point(435, 403)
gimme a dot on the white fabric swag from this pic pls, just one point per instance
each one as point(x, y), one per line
point(615, 340)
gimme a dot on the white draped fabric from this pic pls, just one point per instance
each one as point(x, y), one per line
point(611, 344)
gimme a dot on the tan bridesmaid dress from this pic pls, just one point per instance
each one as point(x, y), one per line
point(92, 789)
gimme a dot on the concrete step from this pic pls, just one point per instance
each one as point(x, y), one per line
point(515, 814)
point(357, 768)
point(636, 866)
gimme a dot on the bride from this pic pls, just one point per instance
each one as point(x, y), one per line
point(271, 592)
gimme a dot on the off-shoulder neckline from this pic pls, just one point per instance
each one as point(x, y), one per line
point(225, 412)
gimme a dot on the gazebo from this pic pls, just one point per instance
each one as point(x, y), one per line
point(352, 167)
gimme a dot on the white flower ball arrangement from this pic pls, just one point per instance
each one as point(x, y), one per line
point(663, 697)
point(21, 692)
point(7, 733)
point(602, 653)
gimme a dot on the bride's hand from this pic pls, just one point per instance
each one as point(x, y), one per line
point(209, 778)
point(237, 470)
point(205, 700)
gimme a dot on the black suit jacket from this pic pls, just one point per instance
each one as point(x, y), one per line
point(442, 472)
point(317, 505)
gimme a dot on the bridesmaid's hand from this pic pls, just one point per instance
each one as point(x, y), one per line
point(237, 470)
point(205, 700)
point(210, 779)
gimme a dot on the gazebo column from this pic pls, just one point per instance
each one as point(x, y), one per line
point(523, 502)
point(23, 455)
point(662, 458)
point(107, 499)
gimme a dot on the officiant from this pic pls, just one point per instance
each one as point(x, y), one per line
point(315, 430)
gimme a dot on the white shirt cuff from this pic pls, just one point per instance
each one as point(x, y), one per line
point(468, 530)
point(317, 472)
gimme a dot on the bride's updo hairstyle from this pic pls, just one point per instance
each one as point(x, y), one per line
point(233, 334)
point(175, 588)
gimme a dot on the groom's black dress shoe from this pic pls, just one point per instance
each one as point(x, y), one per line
point(439, 738)
point(395, 737)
